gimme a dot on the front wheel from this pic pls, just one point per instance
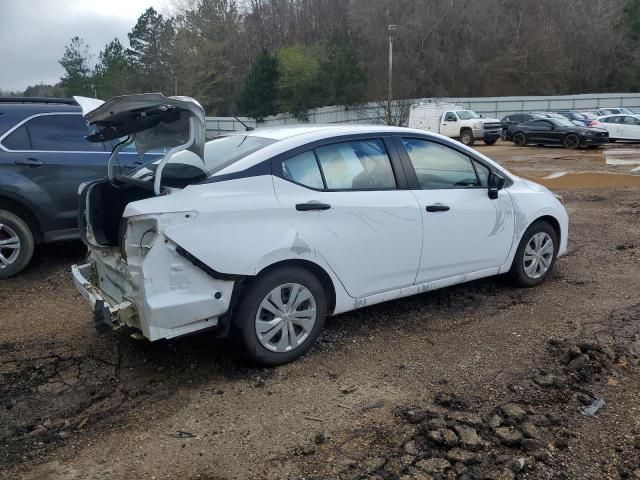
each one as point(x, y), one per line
point(281, 315)
point(466, 137)
point(571, 141)
point(490, 140)
point(16, 244)
point(535, 256)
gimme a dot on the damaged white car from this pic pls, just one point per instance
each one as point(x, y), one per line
point(264, 233)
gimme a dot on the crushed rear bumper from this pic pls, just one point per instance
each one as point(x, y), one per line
point(107, 313)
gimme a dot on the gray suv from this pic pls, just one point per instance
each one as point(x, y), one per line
point(44, 157)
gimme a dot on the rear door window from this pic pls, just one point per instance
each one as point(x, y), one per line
point(358, 165)
point(61, 133)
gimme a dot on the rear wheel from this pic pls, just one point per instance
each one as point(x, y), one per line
point(466, 137)
point(16, 244)
point(520, 139)
point(281, 315)
point(571, 141)
point(535, 256)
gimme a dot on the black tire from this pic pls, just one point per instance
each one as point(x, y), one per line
point(490, 140)
point(520, 139)
point(466, 137)
point(517, 272)
point(612, 140)
point(245, 314)
point(26, 243)
point(571, 141)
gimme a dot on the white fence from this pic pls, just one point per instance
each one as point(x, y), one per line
point(486, 106)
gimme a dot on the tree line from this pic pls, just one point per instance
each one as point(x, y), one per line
point(261, 57)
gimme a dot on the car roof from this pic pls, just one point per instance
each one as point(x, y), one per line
point(323, 131)
point(33, 108)
point(291, 137)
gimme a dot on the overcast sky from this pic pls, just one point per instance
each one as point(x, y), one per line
point(33, 33)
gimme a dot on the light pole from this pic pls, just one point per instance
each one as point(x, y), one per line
point(391, 30)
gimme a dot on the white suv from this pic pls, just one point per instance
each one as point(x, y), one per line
point(266, 232)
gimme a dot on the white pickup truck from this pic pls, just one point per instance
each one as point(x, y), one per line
point(455, 122)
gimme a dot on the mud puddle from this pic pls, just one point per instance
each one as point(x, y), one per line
point(559, 180)
point(622, 156)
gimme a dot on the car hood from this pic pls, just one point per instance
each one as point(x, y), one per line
point(156, 121)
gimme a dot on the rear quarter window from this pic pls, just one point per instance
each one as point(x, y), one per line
point(18, 139)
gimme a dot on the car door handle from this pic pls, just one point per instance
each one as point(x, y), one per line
point(437, 208)
point(30, 162)
point(305, 207)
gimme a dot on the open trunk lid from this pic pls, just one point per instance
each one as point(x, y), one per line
point(151, 121)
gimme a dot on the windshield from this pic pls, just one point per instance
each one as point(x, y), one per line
point(467, 114)
point(562, 122)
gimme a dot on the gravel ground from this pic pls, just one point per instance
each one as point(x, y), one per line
point(475, 381)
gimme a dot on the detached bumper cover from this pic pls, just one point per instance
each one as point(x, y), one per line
point(106, 313)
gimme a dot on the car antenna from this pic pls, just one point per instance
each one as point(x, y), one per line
point(246, 127)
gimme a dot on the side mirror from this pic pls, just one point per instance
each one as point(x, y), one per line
point(496, 183)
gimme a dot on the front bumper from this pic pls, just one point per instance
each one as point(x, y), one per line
point(594, 140)
point(488, 134)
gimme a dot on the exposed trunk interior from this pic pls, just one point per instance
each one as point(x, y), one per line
point(107, 201)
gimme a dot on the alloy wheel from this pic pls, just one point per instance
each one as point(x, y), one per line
point(519, 139)
point(538, 255)
point(285, 317)
point(571, 141)
point(9, 246)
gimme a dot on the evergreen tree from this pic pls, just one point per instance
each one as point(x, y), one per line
point(149, 53)
point(258, 98)
point(77, 79)
point(113, 72)
point(341, 77)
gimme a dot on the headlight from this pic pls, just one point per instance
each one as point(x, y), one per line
point(477, 125)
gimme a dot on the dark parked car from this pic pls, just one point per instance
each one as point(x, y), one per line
point(557, 131)
point(579, 118)
point(518, 118)
point(44, 157)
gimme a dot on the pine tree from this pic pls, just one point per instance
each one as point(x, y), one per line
point(259, 95)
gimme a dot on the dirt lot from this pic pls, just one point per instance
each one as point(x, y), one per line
point(476, 381)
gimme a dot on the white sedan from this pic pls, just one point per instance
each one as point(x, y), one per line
point(621, 127)
point(266, 232)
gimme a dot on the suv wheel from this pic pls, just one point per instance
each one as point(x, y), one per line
point(281, 315)
point(16, 244)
